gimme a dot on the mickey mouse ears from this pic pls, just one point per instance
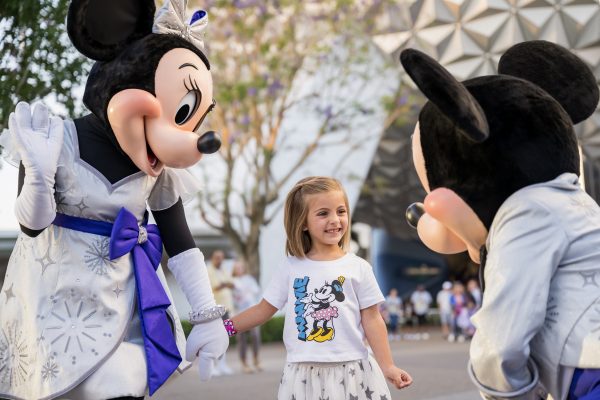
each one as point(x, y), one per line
point(559, 72)
point(450, 96)
point(100, 29)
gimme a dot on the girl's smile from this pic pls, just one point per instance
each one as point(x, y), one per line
point(327, 219)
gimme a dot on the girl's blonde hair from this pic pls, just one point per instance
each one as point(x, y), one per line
point(298, 241)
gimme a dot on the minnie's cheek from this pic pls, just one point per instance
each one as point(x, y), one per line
point(438, 237)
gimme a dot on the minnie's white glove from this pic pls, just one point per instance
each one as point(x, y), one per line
point(207, 340)
point(38, 139)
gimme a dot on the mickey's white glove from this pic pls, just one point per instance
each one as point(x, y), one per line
point(38, 139)
point(207, 340)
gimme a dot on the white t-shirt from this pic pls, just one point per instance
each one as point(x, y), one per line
point(322, 320)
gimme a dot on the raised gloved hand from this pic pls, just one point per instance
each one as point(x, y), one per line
point(38, 139)
point(207, 340)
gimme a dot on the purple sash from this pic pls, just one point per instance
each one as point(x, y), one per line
point(145, 246)
point(585, 385)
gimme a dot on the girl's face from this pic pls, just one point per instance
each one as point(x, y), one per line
point(327, 219)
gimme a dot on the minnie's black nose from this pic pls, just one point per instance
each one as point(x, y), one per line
point(209, 143)
point(414, 212)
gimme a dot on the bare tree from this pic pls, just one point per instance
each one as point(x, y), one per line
point(262, 54)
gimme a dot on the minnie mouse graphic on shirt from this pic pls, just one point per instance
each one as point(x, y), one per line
point(318, 306)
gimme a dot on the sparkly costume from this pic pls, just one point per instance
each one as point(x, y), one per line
point(68, 315)
point(552, 314)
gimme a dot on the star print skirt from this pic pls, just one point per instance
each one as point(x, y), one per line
point(352, 380)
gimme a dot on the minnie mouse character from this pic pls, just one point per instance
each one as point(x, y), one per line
point(318, 307)
point(86, 311)
point(499, 159)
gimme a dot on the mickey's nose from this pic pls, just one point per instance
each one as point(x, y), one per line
point(414, 212)
point(209, 143)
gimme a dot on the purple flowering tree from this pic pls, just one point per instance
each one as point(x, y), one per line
point(261, 53)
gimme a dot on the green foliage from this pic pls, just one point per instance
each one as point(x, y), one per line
point(271, 331)
point(36, 56)
point(187, 327)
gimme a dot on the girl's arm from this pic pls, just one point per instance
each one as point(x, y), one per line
point(376, 333)
point(254, 316)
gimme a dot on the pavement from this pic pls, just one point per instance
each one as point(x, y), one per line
point(438, 368)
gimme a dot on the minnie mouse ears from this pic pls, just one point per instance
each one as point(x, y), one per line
point(100, 29)
point(559, 72)
point(450, 96)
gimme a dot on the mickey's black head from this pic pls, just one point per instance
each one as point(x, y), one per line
point(490, 136)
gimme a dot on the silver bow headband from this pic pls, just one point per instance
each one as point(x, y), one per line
point(170, 18)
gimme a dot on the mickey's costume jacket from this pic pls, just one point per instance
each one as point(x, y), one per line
point(499, 160)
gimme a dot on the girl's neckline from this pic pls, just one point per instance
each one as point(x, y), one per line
point(346, 255)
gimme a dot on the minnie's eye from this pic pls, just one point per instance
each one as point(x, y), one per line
point(187, 107)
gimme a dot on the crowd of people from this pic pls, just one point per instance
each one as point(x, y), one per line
point(456, 303)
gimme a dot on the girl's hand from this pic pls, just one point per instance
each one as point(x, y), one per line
point(398, 377)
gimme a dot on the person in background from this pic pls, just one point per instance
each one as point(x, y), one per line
point(421, 300)
point(463, 321)
point(393, 306)
point(445, 308)
point(475, 292)
point(222, 286)
point(458, 301)
point(246, 293)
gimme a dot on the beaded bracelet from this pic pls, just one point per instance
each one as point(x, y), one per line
point(207, 314)
point(231, 331)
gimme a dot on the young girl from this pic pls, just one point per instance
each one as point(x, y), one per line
point(332, 301)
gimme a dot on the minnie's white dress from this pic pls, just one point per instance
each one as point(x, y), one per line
point(68, 320)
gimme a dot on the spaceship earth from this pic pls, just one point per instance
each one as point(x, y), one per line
point(468, 37)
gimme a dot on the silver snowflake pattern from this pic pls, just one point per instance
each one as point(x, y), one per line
point(96, 257)
point(73, 326)
point(589, 278)
point(9, 293)
point(50, 370)
point(14, 356)
point(46, 260)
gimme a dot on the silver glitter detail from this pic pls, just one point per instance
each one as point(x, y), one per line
point(142, 235)
point(46, 260)
point(50, 370)
point(96, 257)
point(14, 356)
point(74, 326)
point(207, 314)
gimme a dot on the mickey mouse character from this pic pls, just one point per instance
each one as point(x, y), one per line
point(318, 306)
point(86, 312)
point(499, 160)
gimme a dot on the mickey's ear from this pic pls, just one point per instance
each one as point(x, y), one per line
point(450, 96)
point(100, 29)
point(559, 72)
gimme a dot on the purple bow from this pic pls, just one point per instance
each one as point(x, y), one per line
point(162, 355)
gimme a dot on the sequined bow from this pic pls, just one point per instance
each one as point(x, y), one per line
point(145, 245)
point(170, 18)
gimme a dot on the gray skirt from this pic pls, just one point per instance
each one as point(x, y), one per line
point(354, 380)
